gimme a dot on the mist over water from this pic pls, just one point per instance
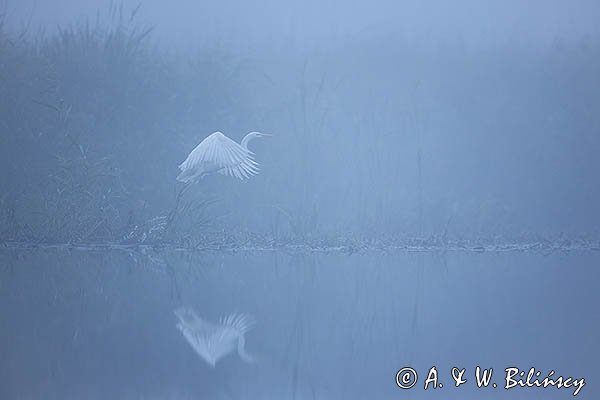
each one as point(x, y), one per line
point(429, 196)
point(329, 326)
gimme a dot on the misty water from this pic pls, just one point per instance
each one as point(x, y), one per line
point(100, 324)
point(426, 195)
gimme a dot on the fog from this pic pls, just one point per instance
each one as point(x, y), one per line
point(316, 23)
point(406, 119)
point(429, 196)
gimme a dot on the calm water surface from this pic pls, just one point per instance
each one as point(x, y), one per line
point(98, 325)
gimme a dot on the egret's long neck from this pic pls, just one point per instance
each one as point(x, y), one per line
point(246, 139)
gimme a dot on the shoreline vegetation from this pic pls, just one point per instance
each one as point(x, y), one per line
point(94, 120)
point(341, 245)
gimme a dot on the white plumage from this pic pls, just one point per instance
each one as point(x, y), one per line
point(213, 341)
point(218, 153)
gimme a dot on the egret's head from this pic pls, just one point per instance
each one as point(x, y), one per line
point(252, 135)
point(259, 134)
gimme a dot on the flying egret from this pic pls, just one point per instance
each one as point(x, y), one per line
point(213, 341)
point(218, 153)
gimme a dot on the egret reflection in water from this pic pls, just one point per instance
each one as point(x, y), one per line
point(213, 341)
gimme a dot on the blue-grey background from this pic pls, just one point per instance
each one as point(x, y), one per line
point(416, 117)
point(439, 127)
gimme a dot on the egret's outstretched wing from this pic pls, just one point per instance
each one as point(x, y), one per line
point(214, 341)
point(219, 153)
point(240, 322)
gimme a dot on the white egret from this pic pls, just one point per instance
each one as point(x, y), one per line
point(213, 341)
point(218, 153)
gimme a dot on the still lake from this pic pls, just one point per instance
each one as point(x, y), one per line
point(78, 324)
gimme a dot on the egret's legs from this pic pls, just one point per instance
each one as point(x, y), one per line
point(177, 201)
